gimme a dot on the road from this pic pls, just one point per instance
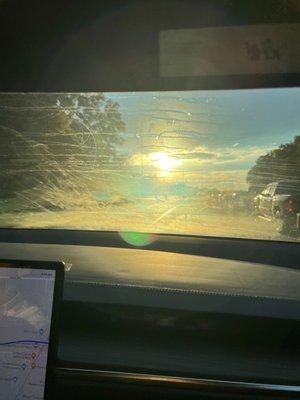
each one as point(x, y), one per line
point(152, 215)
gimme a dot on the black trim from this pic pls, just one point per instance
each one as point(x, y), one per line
point(59, 268)
point(40, 54)
point(166, 380)
point(276, 253)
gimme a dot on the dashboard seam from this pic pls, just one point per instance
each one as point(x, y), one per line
point(176, 290)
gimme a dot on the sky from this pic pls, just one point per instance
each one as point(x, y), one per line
point(206, 138)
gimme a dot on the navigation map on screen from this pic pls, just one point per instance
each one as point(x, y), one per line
point(26, 298)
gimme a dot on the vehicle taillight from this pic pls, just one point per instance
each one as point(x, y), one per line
point(290, 206)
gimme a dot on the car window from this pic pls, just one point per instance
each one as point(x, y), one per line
point(269, 190)
point(189, 162)
point(290, 188)
point(272, 189)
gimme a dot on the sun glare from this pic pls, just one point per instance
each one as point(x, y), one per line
point(164, 162)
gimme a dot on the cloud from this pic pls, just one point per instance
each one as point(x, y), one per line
point(203, 156)
point(225, 167)
point(196, 155)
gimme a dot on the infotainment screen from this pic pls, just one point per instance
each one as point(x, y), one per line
point(29, 297)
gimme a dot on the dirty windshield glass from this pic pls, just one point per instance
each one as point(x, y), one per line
point(194, 162)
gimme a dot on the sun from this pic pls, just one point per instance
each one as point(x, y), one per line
point(164, 162)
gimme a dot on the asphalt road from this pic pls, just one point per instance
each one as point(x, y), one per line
point(154, 217)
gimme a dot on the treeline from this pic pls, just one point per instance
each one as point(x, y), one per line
point(49, 142)
point(279, 164)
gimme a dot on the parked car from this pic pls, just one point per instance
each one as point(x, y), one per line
point(280, 200)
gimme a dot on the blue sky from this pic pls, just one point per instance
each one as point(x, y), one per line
point(216, 135)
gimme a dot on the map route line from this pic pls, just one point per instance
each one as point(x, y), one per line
point(23, 341)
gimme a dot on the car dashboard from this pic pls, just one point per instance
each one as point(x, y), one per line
point(199, 325)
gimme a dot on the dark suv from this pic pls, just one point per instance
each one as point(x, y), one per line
point(281, 200)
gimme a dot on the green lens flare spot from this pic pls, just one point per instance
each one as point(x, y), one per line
point(137, 239)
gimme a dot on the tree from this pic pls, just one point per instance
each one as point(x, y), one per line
point(53, 141)
point(279, 164)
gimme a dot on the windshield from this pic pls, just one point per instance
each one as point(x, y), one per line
point(291, 188)
point(190, 162)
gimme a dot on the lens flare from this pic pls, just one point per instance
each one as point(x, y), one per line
point(137, 238)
